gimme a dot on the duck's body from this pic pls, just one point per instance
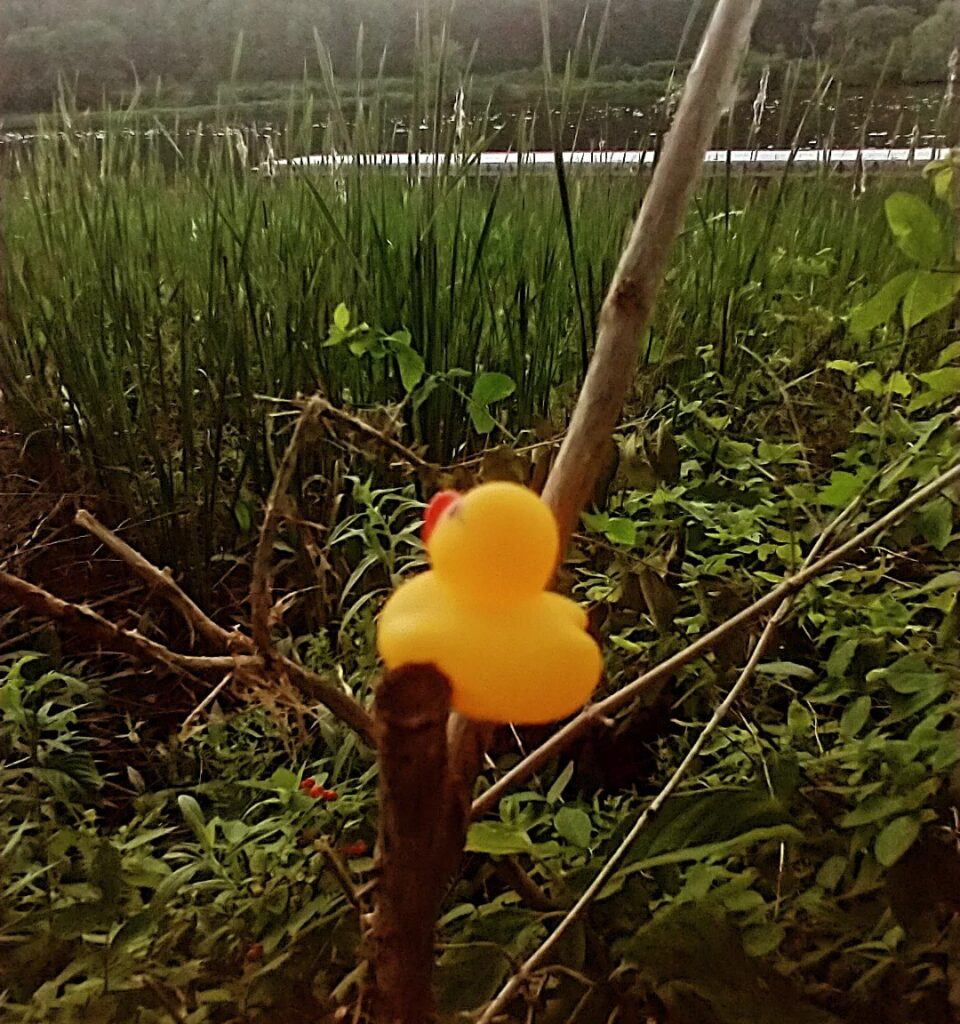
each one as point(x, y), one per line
point(512, 651)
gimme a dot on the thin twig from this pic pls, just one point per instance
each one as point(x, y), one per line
point(605, 708)
point(86, 622)
point(206, 702)
point(537, 958)
point(340, 871)
point(162, 581)
point(260, 584)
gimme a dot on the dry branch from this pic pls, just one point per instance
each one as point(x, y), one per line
point(161, 581)
point(241, 655)
point(84, 621)
point(261, 603)
point(560, 740)
point(628, 307)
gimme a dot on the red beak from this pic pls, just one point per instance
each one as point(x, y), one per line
point(439, 504)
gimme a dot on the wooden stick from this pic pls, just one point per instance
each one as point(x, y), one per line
point(628, 307)
point(161, 581)
point(84, 621)
point(412, 707)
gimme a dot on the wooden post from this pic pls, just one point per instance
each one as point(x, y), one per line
point(412, 707)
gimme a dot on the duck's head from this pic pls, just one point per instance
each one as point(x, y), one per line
point(498, 540)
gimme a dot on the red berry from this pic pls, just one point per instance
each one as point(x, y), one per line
point(356, 849)
point(254, 953)
point(308, 783)
point(328, 794)
point(316, 791)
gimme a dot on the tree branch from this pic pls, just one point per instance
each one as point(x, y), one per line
point(628, 307)
point(537, 958)
point(84, 621)
point(161, 581)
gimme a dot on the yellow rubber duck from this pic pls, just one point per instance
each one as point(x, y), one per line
point(512, 650)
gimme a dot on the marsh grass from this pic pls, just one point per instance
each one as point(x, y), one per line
point(159, 283)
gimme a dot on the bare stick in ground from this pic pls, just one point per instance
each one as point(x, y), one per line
point(412, 707)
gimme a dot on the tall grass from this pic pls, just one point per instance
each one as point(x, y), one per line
point(158, 285)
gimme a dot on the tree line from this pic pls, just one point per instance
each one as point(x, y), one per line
point(102, 47)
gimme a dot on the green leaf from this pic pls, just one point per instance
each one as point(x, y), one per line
point(243, 513)
point(877, 311)
point(945, 381)
point(562, 780)
point(935, 523)
point(574, 825)
point(763, 939)
point(916, 228)
point(943, 183)
point(409, 363)
point(616, 529)
point(482, 421)
point(831, 872)
point(341, 317)
point(949, 354)
point(894, 841)
point(910, 674)
point(844, 365)
point(487, 389)
point(876, 808)
point(497, 838)
point(842, 489)
point(492, 387)
point(929, 292)
point(193, 816)
point(855, 717)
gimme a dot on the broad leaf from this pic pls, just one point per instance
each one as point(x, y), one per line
point(877, 311)
point(916, 228)
point(929, 292)
point(409, 362)
point(574, 825)
point(487, 389)
point(894, 841)
point(497, 838)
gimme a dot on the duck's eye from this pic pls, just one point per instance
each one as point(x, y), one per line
point(438, 505)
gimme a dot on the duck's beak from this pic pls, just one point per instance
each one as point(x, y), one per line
point(439, 504)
